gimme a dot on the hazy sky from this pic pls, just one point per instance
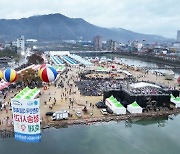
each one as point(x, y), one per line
point(160, 17)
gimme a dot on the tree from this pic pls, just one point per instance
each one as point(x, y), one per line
point(150, 51)
point(8, 53)
point(28, 77)
point(35, 59)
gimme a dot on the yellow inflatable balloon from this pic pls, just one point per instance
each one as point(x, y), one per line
point(1, 74)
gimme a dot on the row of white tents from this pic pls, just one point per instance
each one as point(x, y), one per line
point(81, 60)
point(118, 108)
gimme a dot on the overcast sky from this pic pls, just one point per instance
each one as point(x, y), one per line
point(160, 17)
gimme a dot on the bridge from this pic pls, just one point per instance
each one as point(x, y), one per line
point(164, 67)
point(100, 51)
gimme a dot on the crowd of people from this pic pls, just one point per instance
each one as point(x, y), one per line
point(97, 87)
point(146, 91)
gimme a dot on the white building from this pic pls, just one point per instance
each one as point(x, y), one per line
point(176, 45)
point(139, 46)
point(14, 43)
point(178, 36)
point(21, 44)
point(31, 40)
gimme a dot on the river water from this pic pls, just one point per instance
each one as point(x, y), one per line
point(153, 136)
point(140, 63)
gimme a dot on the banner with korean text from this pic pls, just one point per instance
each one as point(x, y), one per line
point(26, 119)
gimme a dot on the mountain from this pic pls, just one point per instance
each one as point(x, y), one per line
point(54, 27)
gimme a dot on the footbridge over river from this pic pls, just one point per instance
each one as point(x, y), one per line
point(164, 67)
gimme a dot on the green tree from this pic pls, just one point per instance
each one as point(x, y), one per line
point(8, 53)
point(35, 59)
point(28, 76)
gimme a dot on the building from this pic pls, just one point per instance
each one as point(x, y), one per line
point(31, 40)
point(178, 36)
point(139, 46)
point(85, 43)
point(176, 45)
point(97, 42)
point(111, 45)
point(14, 43)
point(176, 48)
point(21, 44)
point(135, 46)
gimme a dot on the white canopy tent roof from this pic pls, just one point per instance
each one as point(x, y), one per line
point(143, 84)
point(125, 72)
point(59, 53)
point(134, 108)
point(115, 105)
point(176, 101)
point(28, 93)
point(81, 60)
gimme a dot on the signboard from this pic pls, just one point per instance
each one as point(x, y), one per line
point(26, 118)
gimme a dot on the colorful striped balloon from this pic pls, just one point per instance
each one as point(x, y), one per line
point(42, 66)
point(178, 80)
point(48, 74)
point(10, 75)
point(1, 74)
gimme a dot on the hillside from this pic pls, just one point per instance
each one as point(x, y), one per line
point(54, 27)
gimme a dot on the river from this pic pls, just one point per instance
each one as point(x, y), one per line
point(140, 63)
point(153, 136)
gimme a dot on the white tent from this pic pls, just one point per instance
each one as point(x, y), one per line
point(115, 106)
point(176, 101)
point(172, 97)
point(59, 53)
point(134, 108)
point(143, 84)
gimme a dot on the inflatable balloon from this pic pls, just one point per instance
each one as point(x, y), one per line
point(1, 75)
point(178, 80)
point(43, 66)
point(113, 66)
point(10, 75)
point(48, 74)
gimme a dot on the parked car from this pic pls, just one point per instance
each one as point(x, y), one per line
point(79, 114)
point(103, 111)
point(101, 105)
point(49, 113)
point(60, 115)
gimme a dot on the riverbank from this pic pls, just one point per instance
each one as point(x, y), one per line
point(147, 58)
point(94, 120)
point(9, 132)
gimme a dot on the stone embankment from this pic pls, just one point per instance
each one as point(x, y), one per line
point(93, 120)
